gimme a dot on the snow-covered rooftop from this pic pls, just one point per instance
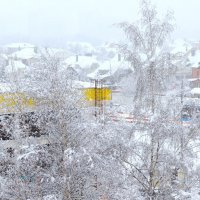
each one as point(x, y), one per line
point(109, 68)
point(15, 66)
point(81, 84)
point(192, 79)
point(97, 75)
point(195, 91)
point(83, 61)
point(26, 53)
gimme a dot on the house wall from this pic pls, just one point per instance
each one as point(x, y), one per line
point(196, 95)
point(196, 72)
point(182, 73)
point(195, 84)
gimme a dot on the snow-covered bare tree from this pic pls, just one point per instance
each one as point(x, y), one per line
point(146, 53)
point(154, 148)
point(57, 116)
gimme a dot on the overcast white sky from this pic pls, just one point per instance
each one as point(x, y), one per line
point(55, 21)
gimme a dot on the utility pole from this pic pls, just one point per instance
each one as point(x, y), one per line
point(99, 95)
point(95, 98)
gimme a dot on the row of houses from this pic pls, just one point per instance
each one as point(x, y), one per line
point(89, 68)
point(188, 65)
point(195, 81)
point(16, 60)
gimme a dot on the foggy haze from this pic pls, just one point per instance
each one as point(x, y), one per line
point(53, 22)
